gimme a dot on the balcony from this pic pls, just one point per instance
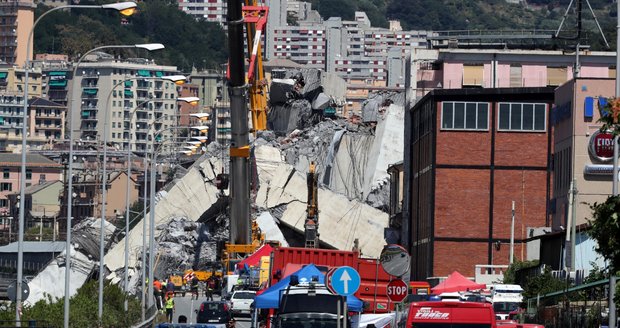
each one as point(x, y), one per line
point(142, 119)
point(88, 116)
point(142, 86)
point(48, 126)
point(11, 114)
point(89, 127)
point(90, 75)
point(142, 128)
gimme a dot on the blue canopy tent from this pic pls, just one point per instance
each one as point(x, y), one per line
point(270, 298)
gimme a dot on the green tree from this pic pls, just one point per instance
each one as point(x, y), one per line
point(39, 234)
point(83, 309)
point(510, 276)
point(189, 42)
point(542, 284)
point(605, 229)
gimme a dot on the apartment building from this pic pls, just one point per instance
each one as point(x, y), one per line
point(42, 205)
point(110, 91)
point(47, 119)
point(16, 21)
point(213, 93)
point(38, 170)
point(209, 10)
point(55, 76)
point(502, 68)
point(12, 86)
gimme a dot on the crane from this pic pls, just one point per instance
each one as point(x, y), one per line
point(255, 17)
point(245, 237)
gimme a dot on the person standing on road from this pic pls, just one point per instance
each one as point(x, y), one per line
point(169, 307)
point(209, 289)
point(157, 293)
point(194, 284)
point(170, 288)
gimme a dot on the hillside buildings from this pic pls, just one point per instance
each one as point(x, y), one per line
point(17, 17)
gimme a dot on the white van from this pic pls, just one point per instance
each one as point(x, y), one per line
point(228, 282)
point(505, 299)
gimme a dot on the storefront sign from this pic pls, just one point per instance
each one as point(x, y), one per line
point(601, 146)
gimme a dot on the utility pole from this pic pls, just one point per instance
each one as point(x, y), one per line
point(512, 234)
point(614, 179)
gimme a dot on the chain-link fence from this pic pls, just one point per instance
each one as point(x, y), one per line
point(582, 306)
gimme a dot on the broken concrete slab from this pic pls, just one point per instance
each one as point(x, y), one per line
point(288, 186)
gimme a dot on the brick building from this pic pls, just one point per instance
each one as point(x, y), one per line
point(468, 154)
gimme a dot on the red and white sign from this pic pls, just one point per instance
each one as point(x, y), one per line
point(328, 280)
point(430, 313)
point(189, 276)
point(397, 290)
point(601, 146)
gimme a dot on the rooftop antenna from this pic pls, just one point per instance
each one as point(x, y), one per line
point(579, 20)
point(577, 37)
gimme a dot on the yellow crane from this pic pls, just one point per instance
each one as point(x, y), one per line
point(255, 17)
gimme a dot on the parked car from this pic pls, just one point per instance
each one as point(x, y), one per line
point(241, 301)
point(215, 312)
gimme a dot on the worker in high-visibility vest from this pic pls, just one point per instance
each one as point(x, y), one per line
point(169, 307)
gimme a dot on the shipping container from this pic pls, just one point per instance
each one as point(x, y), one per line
point(374, 280)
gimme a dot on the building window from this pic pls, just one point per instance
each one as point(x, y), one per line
point(473, 75)
point(4, 203)
point(516, 77)
point(28, 174)
point(522, 117)
point(465, 116)
point(6, 186)
point(6, 173)
point(556, 76)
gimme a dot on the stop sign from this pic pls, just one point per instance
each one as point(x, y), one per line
point(397, 290)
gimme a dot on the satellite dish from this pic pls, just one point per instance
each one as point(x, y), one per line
point(395, 260)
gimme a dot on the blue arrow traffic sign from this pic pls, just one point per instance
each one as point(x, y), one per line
point(345, 281)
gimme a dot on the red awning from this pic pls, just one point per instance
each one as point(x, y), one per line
point(456, 282)
point(254, 259)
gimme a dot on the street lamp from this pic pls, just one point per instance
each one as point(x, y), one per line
point(177, 79)
point(127, 214)
point(147, 46)
point(154, 135)
point(125, 8)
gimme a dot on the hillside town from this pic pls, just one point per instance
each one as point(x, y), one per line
point(329, 174)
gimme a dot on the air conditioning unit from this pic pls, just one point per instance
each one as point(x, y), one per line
point(577, 276)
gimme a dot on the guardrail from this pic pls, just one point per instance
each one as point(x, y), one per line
point(25, 323)
point(151, 314)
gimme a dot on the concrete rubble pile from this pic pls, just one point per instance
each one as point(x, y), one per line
point(185, 244)
point(49, 284)
point(298, 101)
point(352, 156)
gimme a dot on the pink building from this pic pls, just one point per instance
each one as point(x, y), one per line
point(509, 68)
point(38, 169)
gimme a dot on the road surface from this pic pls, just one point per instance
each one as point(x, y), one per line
point(187, 306)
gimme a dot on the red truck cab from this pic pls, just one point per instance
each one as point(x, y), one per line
point(450, 314)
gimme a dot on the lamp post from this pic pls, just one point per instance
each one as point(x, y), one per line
point(127, 213)
point(173, 78)
point(193, 101)
point(125, 8)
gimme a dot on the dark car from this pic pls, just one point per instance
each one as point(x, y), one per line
point(213, 312)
